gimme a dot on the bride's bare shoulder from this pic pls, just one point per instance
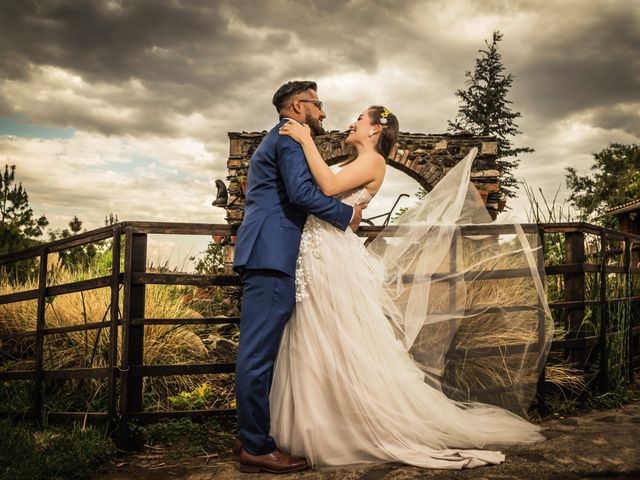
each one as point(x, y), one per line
point(371, 158)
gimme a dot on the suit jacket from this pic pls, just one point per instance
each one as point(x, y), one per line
point(280, 195)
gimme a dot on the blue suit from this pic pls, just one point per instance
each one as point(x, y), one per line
point(280, 195)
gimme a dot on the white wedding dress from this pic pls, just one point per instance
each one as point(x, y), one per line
point(345, 389)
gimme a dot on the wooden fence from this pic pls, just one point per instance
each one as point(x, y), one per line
point(125, 373)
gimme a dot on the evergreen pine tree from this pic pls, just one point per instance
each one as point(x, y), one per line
point(18, 226)
point(485, 110)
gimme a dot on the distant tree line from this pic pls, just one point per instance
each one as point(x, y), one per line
point(20, 228)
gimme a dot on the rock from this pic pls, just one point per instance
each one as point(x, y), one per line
point(489, 148)
point(485, 173)
point(441, 145)
point(222, 348)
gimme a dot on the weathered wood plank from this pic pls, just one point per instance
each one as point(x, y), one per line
point(12, 257)
point(465, 230)
point(75, 328)
point(498, 350)
point(469, 276)
point(18, 375)
point(506, 309)
point(113, 328)
point(40, 326)
point(185, 321)
point(603, 373)
point(189, 369)
point(80, 416)
point(19, 296)
point(9, 336)
point(132, 338)
point(183, 228)
point(543, 311)
point(628, 291)
point(591, 303)
point(575, 343)
point(574, 291)
point(66, 373)
point(615, 269)
point(81, 239)
point(571, 268)
point(91, 284)
point(185, 279)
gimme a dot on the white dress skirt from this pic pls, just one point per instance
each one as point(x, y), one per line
point(345, 391)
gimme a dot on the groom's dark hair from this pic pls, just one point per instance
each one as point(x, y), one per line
point(283, 95)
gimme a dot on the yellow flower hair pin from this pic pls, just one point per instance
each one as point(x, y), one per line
point(383, 116)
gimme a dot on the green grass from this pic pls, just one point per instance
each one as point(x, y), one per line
point(48, 453)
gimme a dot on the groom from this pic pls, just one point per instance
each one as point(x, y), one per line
point(280, 195)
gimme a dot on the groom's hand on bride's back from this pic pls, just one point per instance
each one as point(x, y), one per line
point(357, 216)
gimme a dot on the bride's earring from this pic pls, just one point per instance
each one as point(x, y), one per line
point(371, 132)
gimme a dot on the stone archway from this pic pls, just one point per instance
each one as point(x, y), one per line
point(424, 157)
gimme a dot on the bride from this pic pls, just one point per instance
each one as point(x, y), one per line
point(377, 362)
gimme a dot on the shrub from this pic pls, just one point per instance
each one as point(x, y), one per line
point(31, 453)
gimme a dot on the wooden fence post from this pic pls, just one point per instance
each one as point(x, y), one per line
point(132, 339)
point(40, 325)
point(450, 375)
point(628, 294)
point(574, 285)
point(113, 328)
point(604, 316)
point(542, 318)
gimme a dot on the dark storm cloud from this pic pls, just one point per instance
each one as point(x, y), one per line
point(102, 42)
point(188, 56)
point(184, 55)
point(583, 60)
point(223, 59)
point(621, 117)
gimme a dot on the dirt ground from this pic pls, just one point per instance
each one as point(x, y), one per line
point(594, 445)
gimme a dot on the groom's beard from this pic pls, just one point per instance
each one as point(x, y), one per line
point(314, 125)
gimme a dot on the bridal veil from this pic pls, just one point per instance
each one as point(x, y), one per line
point(466, 294)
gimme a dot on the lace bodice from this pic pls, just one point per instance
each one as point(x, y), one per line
point(311, 238)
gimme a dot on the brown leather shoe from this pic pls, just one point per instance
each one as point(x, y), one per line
point(274, 462)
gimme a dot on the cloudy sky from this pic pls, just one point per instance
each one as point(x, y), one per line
point(124, 106)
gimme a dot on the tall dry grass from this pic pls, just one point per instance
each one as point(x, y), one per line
point(516, 363)
point(163, 344)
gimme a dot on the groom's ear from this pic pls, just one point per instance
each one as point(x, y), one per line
point(296, 106)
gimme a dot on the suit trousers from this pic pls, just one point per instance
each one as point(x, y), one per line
point(268, 300)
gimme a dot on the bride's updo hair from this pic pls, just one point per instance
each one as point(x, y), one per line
point(382, 116)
